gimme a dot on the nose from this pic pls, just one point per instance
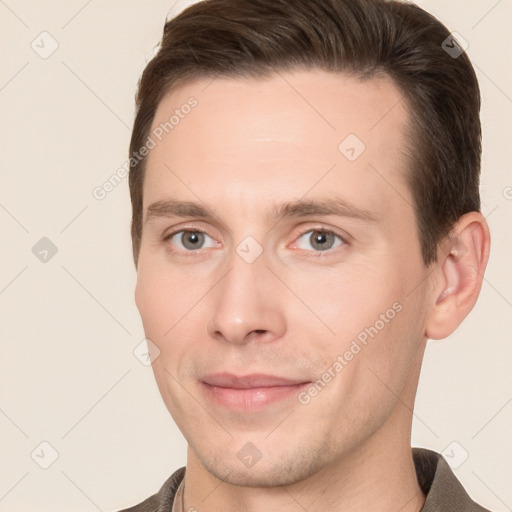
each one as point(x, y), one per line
point(245, 305)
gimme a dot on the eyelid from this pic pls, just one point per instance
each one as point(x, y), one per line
point(173, 232)
point(179, 228)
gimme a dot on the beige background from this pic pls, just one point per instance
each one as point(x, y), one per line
point(68, 375)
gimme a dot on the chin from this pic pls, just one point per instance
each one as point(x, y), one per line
point(283, 469)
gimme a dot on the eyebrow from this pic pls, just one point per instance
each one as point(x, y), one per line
point(169, 208)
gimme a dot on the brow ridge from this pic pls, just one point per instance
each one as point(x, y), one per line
point(298, 208)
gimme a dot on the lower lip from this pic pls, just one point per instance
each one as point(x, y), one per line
point(251, 399)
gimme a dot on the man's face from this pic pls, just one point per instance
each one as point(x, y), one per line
point(333, 302)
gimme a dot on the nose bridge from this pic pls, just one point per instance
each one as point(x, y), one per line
point(244, 301)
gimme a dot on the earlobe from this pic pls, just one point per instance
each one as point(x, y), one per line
point(461, 265)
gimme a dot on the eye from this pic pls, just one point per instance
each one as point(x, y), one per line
point(189, 240)
point(320, 240)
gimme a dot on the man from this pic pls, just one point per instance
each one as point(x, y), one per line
point(306, 215)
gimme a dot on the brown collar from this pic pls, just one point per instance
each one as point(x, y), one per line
point(444, 493)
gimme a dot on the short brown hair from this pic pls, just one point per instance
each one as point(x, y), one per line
point(254, 38)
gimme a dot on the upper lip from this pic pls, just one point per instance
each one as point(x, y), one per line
point(254, 380)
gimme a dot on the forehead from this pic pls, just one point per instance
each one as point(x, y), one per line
point(279, 138)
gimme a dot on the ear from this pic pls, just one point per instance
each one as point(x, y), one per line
point(460, 270)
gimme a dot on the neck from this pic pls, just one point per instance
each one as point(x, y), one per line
point(377, 476)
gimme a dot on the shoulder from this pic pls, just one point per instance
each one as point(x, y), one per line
point(161, 501)
point(441, 487)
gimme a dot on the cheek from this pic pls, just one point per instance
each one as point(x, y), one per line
point(365, 315)
point(343, 301)
point(169, 301)
point(151, 301)
point(157, 303)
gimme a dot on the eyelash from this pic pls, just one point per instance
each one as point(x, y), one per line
point(319, 254)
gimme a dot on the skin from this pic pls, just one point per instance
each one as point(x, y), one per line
point(246, 147)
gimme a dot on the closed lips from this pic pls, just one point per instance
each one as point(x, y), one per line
point(227, 380)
